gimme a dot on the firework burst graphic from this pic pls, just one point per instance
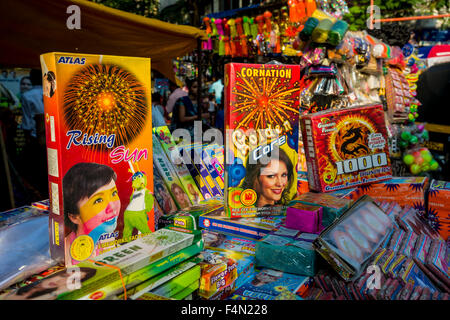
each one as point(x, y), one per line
point(264, 102)
point(105, 99)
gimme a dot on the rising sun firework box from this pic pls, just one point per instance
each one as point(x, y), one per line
point(346, 148)
point(261, 149)
point(99, 150)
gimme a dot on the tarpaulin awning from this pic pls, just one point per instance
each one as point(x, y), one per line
point(30, 28)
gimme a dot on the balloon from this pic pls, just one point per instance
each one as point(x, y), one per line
point(413, 140)
point(408, 159)
point(434, 165)
point(427, 157)
point(415, 169)
point(406, 135)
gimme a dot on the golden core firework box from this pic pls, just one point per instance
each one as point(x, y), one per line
point(99, 150)
point(262, 134)
point(346, 148)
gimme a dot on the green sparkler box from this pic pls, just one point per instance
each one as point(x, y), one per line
point(180, 282)
point(150, 276)
point(172, 268)
point(262, 138)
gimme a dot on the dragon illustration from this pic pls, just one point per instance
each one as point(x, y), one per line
point(353, 134)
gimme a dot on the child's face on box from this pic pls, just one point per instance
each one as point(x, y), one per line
point(102, 207)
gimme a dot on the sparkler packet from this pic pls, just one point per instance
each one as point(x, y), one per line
point(261, 143)
point(98, 126)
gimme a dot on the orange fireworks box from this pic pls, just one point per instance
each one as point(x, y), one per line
point(403, 190)
point(99, 150)
point(262, 135)
point(438, 211)
point(346, 148)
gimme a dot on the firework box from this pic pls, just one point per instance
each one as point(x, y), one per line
point(168, 173)
point(333, 207)
point(133, 256)
point(209, 163)
point(215, 153)
point(438, 212)
point(346, 148)
point(406, 191)
point(349, 242)
point(162, 194)
point(98, 126)
point(218, 272)
point(269, 284)
point(253, 228)
point(224, 242)
point(261, 142)
point(198, 171)
point(350, 194)
point(168, 144)
point(150, 276)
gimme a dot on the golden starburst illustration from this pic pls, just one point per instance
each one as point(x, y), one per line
point(105, 99)
point(264, 102)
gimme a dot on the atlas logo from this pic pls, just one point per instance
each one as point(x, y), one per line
point(71, 60)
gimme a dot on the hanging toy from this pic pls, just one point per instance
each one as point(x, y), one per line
point(232, 25)
point(260, 23)
point(221, 46)
point(267, 16)
point(215, 32)
point(253, 28)
point(239, 28)
point(244, 47)
point(246, 25)
point(301, 11)
point(227, 46)
point(219, 27)
point(225, 27)
point(310, 7)
point(207, 22)
point(293, 14)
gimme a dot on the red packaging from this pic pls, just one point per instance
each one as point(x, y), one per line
point(346, 148)
point(438, 211)
point(402, 190)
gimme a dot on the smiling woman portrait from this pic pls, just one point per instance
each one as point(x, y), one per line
point(271, 177)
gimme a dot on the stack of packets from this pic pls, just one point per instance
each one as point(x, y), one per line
point(287, 250)
point(43, 204)
point(406, 191)
point(438, 213)
point(177, 283)
point(398, 95)
point(269, 284)
point(410, 264)
point(349, 242)
point(227, 263)
point(115, 272)
point(252, 227)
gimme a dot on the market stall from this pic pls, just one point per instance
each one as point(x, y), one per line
point(323, 187)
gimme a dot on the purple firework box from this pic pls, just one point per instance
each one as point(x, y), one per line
point(305, 218)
